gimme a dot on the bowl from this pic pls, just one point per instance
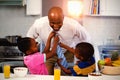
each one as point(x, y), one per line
point(112, 70)
point(95, 76)
point(20, 71)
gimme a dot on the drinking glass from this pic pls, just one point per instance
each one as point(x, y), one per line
point(57, 73)
point(6, 70)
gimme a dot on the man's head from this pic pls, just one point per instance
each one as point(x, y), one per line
point(55, 16)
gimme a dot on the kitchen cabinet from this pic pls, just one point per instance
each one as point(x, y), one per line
point(11, 2)
point(110, 7)
point(34, 7)
point(106, 8)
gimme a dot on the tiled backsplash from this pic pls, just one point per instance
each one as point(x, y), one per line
point(103, 28)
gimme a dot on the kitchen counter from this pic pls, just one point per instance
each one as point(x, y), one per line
point(12, 58)
point(12, 64)
point(51, 77)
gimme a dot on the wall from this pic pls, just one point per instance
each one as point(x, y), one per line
point(103, 29)
point(47, 4)
point(14, 21)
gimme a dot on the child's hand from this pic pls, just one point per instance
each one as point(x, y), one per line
point(52, 34)
point(61, 44)
point(56, 39)
point(59, 61)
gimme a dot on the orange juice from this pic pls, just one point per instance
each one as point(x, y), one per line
point(6, 71)
point(57, 74)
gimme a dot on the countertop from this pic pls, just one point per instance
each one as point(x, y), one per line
point(12, 58)
point(51, 77)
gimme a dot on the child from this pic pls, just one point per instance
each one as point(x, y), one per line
point(84, 53)
point(34, 60)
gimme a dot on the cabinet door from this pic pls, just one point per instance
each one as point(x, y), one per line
point(87, 7)
point(106, 7)
point(11, 2)
point(110, 7)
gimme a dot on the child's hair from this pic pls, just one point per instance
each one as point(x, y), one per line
point(86, 50)
point(24, 44)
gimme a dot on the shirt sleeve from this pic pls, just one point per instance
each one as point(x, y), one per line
point(82, 33)
point(32, 32)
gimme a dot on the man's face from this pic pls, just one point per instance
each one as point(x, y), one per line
point(55, 22)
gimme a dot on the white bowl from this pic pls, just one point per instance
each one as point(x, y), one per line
point(20, 71)
point(95, 76)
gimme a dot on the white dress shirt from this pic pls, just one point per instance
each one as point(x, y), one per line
point(70, 32)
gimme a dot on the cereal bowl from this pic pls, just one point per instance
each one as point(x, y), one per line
point(20, 71)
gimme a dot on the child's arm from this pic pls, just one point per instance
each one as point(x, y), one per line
point(67, 71)
point(67, 47)
point(47, 47)
point(55, 43)
point(54, 48)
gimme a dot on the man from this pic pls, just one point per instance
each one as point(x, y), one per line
point(70, 32)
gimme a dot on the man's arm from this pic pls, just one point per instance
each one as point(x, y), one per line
point(82, 33)
point(32, 32)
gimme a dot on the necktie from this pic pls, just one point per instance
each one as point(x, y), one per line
point(60, 54)
point(42, 46)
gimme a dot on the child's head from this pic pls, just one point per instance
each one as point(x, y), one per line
point(84, 51)
point(27, 45)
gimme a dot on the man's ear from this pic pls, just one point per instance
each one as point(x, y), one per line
point(63, 17)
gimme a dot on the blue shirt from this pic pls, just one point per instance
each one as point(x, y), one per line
point(83, 68)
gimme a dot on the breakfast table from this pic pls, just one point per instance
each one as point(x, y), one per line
point(51, 77)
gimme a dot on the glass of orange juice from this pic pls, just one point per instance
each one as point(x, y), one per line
point(6, 70)
point(57, 73)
